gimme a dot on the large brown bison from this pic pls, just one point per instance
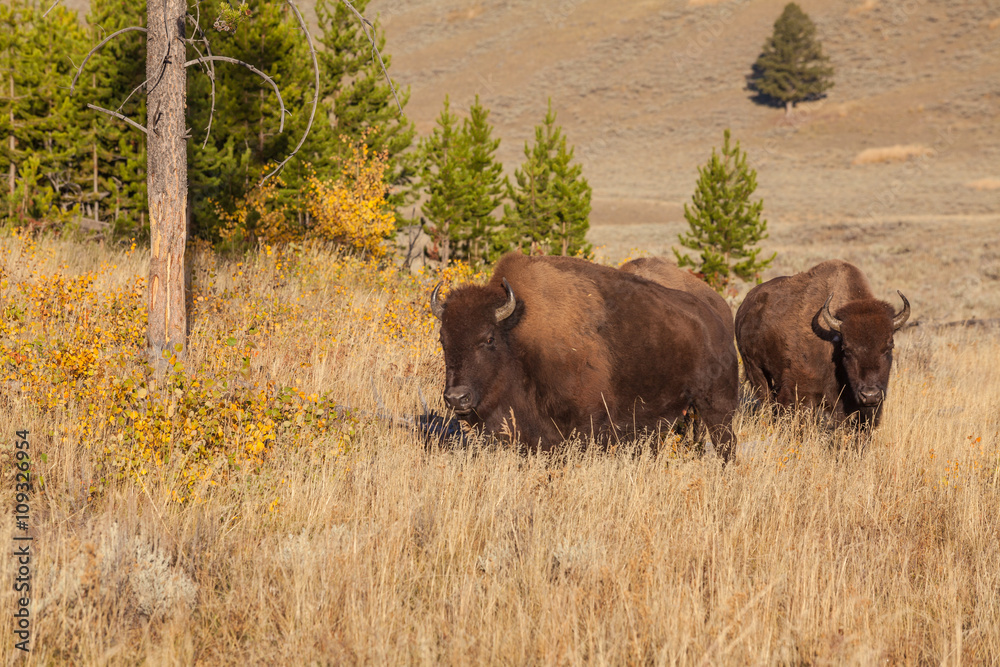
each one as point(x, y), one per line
point(670, 275)
point(821, 338)
point(557, 345)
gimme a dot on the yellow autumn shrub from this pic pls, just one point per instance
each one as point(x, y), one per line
point(352, 210)
point(73, 351)
point(261, 217)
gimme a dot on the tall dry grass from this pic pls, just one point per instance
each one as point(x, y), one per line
point(812, 550)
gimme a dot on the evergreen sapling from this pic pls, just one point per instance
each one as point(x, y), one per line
point(724, 224)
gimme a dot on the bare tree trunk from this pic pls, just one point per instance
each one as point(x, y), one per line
point(97, 217)
point(13, 146)
point(166, 179)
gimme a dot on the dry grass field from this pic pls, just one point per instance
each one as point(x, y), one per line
point(316, 537)
point(892, 154)
point(234, 513)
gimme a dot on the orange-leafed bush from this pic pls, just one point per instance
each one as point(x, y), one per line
point(352, 210)
point(261, 217)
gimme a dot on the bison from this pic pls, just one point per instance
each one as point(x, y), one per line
point(821, 338)
point(557, 345)
point(670, 275)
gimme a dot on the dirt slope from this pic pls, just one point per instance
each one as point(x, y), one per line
point(645, 89)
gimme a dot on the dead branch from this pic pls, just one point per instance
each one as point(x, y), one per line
point(312, 114)
point(210, 71)
point(209, 68)
point(118, 116)
point(51, 8)
point(227, 59)
point(369, 29)
point(134, 91)
point(94, 50)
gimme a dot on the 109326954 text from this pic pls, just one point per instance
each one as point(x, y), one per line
point(22, 540)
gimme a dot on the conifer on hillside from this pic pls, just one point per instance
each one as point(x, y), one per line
point(246, 118)
point(476, 236)
point(115, 173)
point(791, 67)
point(443, 180)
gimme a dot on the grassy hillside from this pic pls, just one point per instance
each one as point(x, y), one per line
point(231, 513)
point(646, 88)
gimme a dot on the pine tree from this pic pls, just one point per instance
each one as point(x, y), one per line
point(528, 220)
point(112, 176)
point(464, 185)
point(725, 224)
point(444, 180)
point(14, 151)
point(245, 135)
point(38, 121)
point(551, 203)
point(571, 194)
point(791, 68)
point(476, 233)
point(364, 107)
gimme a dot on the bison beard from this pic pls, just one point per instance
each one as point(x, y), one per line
point(553, 346)
point(820, 338)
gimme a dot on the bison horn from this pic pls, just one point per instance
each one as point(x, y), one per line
point(831, 322)
point(437, 308)
point(899, 319)
point(505, 311)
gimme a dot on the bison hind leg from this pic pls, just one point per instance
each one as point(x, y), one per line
point(717, 416)
point(761, 383)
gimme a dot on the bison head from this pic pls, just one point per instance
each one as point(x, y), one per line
point(475, 323)
point(866, 328)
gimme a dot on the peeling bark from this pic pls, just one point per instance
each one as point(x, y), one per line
point(166, 163)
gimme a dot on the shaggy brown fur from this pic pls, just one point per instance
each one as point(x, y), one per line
point(588, 349)
point(668, 274)
point(790, 355)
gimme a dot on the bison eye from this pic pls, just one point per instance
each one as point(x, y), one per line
point(489, 340)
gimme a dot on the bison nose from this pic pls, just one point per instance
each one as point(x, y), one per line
point(870, 396)
point(459, 398)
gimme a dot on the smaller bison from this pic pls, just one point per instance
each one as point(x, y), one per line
point(557, 345)
point(668, 274)
point(821, 338)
